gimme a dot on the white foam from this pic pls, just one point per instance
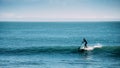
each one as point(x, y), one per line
point(98, 45)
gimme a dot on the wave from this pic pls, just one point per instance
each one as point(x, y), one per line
point(110, 50)
point(42, 49)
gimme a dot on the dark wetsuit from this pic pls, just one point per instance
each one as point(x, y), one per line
point(84, 41)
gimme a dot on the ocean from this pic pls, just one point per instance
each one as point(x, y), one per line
point(55, 44)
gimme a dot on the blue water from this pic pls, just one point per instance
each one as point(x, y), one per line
point(55, 44)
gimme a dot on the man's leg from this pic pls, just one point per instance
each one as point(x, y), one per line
point(86, 45)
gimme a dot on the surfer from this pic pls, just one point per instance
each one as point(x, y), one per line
point(85, 42)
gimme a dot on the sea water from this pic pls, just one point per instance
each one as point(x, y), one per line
point(55, 44)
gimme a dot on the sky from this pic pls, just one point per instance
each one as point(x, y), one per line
point(59, 10)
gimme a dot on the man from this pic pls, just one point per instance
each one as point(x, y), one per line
point(85, 42)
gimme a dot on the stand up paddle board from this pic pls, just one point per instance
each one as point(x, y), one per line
point(89, 48)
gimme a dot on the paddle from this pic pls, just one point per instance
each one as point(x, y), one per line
point(80, 46)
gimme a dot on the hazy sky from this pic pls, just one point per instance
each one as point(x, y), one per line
point(59, 10)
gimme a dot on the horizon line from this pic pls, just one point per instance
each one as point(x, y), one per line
point(66, 21)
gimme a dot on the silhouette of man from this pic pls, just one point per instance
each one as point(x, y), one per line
point(85, 42)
